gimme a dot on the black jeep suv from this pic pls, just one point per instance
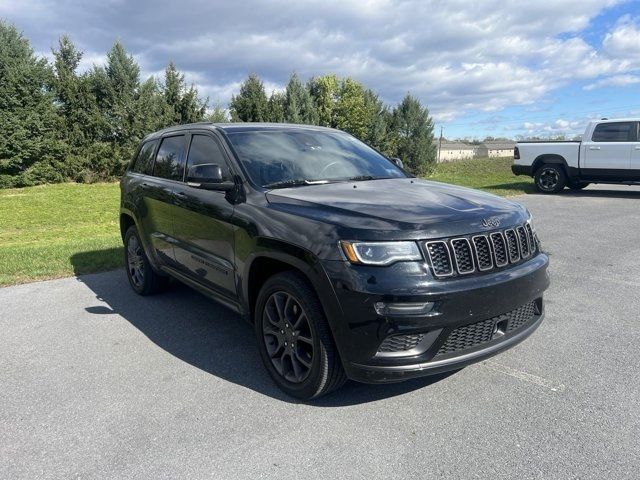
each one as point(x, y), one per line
point(347, 266)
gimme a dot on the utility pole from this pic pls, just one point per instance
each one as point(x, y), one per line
point(439, 144)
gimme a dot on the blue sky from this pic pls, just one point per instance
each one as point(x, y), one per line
point(490, 67)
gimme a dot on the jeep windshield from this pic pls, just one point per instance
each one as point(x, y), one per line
point(298, 157)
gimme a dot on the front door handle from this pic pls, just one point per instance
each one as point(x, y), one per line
point(594, 148)
point(638, 147)
point(181, 195)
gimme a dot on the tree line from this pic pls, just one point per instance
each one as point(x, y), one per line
point(58, 124)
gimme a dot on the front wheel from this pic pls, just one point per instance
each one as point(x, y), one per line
point(294, 338)
point(550, 179)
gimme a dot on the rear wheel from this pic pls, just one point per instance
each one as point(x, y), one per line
point(294, 338)
point(550, 178)
point(142, 278)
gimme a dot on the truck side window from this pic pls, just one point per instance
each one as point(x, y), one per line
point(205, 149)
point(170, 159)
point(144, 161)
point(614, 132)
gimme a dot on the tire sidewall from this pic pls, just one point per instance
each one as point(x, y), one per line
point(562, 178)
point(142, 289)
point(314, 381)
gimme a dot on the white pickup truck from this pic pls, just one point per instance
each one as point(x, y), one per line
point(608, 153)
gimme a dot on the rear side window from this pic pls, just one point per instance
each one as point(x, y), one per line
point(144, 160)
point(205, 149)
point(170, 159)
point(614, 132)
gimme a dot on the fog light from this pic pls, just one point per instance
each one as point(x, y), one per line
point(416, 308)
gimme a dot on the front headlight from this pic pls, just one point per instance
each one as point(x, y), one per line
point(380, 253)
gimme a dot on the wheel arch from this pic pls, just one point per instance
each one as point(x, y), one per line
point(274, 256)
point(549, 159)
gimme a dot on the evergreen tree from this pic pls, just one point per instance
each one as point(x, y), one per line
point(351, 111)
point(413, 128)
point(250, 105)
point(298, 104)
point(324, 91)
point(183, 105)
point(379, 124)
point(217, 114)
point(275, 107)
point(30, 143)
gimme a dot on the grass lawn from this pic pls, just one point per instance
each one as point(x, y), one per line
point(60, 230)
point(491, 174)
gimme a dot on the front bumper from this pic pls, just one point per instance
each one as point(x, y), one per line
point(360, 330)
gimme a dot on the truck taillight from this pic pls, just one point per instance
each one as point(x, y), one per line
point(516, 153)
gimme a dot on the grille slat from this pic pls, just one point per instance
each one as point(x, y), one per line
point(499, 249)
point(463, 256)
point(483, 252)
point(440, 259)
point(524, 241)
point(475, 334)
point(512, 245)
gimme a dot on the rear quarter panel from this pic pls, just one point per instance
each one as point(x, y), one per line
point(531, 151)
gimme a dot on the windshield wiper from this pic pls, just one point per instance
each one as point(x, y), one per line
point(294, 183)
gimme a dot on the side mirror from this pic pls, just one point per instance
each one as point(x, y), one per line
point(207, 176)
point(397, 162)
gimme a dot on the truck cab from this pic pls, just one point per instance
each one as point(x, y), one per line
point(609, 152)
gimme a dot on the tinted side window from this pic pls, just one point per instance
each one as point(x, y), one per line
point(144, 160)
point(614, 132)
point(170, 159)
point(204, 149)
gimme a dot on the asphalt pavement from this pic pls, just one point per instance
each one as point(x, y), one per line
point(96, 382)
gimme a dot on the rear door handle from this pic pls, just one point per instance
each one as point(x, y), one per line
point(181, 195)
point(637, 148)
point(594, 148)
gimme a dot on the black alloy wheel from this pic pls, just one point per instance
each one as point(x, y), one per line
point(288, 337)
point(550, 179)
point(294, 338)
point(142, 277)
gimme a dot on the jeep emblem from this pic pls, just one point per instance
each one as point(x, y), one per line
point(492, 222)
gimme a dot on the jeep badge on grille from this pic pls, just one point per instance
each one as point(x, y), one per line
point(492, 222)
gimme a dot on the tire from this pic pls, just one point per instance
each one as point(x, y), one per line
point(577, 185)
point(288, 311)
point(550, 178)
point(142, 277)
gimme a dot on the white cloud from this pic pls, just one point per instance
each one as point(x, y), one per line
point(456, 56)
point(614, 81)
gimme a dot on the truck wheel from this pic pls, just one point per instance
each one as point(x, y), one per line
point(142, 277)
point(294, 339)
point(550, 178)
point(577, 185)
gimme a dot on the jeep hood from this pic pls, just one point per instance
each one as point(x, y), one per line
point(401, 205)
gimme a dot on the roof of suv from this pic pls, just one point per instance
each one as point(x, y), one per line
point(238, 127)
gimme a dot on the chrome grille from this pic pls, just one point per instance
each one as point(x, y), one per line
point(440, 259)
point(463, 256)
point(483, 252)
point(499, 249)
point(524, 242)
point(512, 245)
